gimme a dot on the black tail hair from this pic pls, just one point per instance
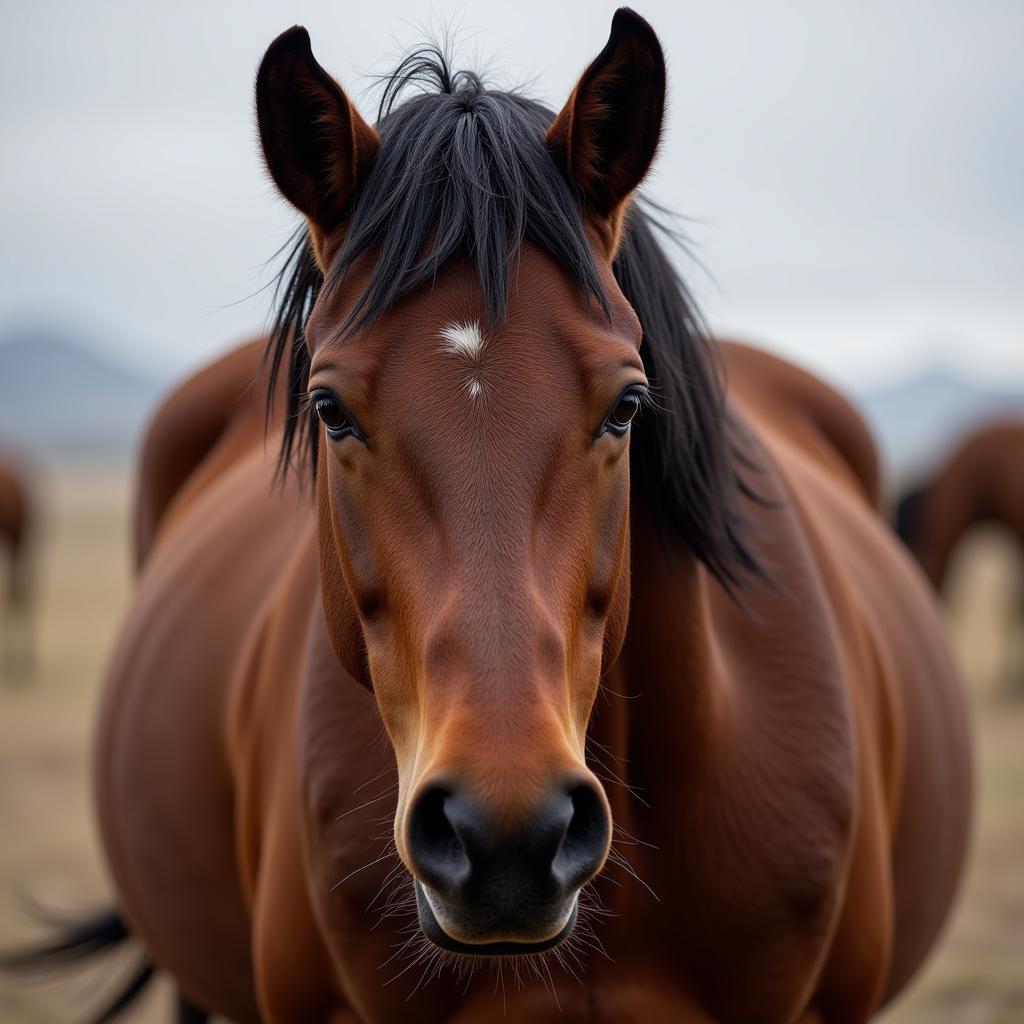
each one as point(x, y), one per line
point(77, 942)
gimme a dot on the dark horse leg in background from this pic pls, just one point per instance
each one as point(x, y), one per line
point(189, 1014)
point(20, 647)
point(15, 600)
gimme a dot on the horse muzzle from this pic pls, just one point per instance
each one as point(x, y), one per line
point(486, 889)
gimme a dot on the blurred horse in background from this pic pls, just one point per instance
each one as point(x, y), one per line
point(16, 647)
point(980, 482)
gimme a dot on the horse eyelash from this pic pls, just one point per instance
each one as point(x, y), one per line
point(304, 406)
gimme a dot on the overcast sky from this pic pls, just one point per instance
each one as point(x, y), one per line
point(855, 171)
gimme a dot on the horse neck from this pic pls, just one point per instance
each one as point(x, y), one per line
point(708, 690)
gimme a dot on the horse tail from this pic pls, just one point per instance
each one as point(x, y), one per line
point(78, 942)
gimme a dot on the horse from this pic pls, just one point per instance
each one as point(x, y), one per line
point(980, 480)
point(560, 665)
point(15, 538)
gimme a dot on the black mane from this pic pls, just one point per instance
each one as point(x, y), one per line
point(463, 170)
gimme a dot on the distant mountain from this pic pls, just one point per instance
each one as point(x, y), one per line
point(59, 397)
point(918, 420)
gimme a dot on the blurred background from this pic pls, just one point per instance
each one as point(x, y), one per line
point(853, 181)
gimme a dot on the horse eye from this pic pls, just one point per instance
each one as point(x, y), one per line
point(624, 412)
point(331, 413)
point(627, 408)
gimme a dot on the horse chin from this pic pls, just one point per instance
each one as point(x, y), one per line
point(432, 929)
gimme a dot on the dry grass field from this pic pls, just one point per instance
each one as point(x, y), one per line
point(48, 846)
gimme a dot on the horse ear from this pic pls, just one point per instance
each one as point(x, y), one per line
point(606, 136)
point(316, 145)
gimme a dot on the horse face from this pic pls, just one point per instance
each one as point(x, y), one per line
point(473, 495)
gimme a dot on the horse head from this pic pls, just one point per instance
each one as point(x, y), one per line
point(471, 372)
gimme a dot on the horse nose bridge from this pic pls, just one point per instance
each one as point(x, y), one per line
point(504, 633)
point(487, 712)
point(505, 752)
point(496, 703)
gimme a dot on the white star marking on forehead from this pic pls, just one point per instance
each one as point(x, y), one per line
point(463, 340)
point(467, 341)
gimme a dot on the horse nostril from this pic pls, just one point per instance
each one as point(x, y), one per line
point(585, 844)
point(434, 844)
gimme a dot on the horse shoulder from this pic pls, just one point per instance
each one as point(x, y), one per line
point(169, 790)
point(906, 710)
point(808, 410)
point(904, 694)
point(215, 410)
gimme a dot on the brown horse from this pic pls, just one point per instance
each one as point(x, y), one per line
point(981, 480)
point(350, 757)
point(15, 536)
